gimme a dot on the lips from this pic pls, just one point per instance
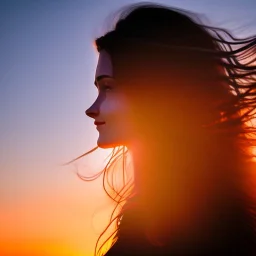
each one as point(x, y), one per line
point(99, 123)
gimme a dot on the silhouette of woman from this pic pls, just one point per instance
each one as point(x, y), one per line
point(179, 96)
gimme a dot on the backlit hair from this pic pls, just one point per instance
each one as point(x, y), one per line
point(192, 87)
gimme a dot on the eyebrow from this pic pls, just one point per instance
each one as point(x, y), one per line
point(99, 78)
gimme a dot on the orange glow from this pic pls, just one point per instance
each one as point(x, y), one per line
point(64, 221)
point(39, 248)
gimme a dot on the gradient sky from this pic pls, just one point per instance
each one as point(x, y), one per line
point(47, 65)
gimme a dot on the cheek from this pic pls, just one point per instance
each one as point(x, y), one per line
point(115, 112)
point(114, 107)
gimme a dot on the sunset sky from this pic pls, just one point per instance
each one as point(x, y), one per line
point(47, 65)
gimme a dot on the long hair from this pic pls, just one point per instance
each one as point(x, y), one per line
point(192, 91)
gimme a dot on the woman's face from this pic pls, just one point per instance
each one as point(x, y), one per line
point(110, 109)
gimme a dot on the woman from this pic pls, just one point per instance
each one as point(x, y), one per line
point(179, 96)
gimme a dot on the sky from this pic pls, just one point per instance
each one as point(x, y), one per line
point(47, 65)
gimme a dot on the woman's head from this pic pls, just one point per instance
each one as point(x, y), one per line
point(160, 67)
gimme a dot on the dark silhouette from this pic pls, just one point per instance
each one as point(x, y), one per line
point(191, 89)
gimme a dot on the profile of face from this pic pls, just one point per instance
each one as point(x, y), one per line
point(111, 108)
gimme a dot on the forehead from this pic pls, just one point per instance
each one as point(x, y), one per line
point(104, 67)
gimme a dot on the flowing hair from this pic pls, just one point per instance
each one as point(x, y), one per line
point(217, 56)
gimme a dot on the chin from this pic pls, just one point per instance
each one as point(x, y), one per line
point(104, 144)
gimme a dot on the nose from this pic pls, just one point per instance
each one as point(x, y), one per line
point(92, 111)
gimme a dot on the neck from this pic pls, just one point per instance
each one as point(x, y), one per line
point(177, 196)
